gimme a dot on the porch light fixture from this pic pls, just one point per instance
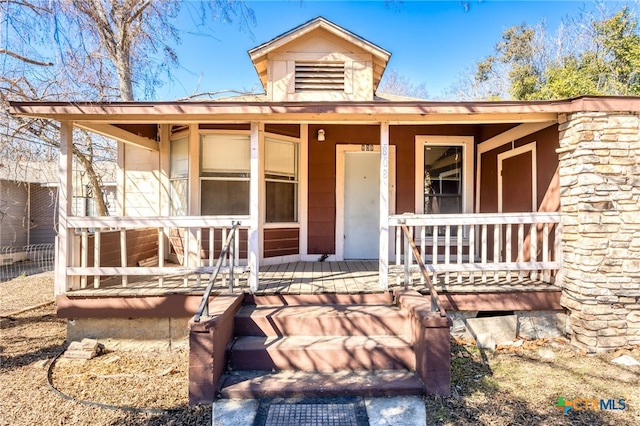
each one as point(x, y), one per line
point(321, 135)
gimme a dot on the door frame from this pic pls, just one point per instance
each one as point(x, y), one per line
point(513, 153)
point(341, 151)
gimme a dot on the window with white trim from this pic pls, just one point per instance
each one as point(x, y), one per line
point(224, 174)
point(281, 171)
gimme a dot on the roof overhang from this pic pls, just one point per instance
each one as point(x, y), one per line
point(322, 112)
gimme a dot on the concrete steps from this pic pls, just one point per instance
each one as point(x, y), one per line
point(320, 345)
point(322, 353)
point(298, 384)
point(319, 320)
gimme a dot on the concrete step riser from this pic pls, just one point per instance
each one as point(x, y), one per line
point(320, 392)
point(314, 385)
point(319, 299)
point(380, 358)
point(257, 325)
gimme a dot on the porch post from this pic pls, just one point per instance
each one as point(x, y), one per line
point(383, 268)
point(254, 205)
point(65, 197)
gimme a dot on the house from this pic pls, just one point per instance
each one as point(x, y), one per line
point(512, 206)
point(28, 203)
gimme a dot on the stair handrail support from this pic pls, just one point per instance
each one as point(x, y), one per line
point(436, 306)
point(227, 247)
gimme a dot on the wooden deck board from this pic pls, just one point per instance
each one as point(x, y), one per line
point(348, 277)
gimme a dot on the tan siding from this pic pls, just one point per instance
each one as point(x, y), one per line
point(142, 186)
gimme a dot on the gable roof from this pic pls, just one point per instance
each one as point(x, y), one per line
point(259, 54)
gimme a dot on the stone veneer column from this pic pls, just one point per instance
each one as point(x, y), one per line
point(600, 204)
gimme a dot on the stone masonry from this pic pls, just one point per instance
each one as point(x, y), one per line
point(600, 202)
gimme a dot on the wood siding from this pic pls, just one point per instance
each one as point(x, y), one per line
point(547, 141)
point(281, 242)
point(142, 184)
point(177, 241)
point(141, 244)
point(322, 171)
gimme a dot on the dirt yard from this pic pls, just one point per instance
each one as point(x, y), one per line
point(510, 386)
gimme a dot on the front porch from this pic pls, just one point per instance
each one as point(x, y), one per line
point(466, 253)
point(295, 278)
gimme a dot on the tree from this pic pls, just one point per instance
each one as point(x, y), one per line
point(394, 83)
point(587, 56)
point(100, 50)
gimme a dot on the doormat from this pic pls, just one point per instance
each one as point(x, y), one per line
point(344, 411)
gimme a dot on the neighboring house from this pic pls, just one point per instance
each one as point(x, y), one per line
point(323, 167)
point(28, 212)
point(28, 203)
point(29, 200)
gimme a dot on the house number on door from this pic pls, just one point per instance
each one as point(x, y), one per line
point(366, 147)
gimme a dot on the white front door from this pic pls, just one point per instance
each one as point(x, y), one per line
point(361, 205)
point(358, 200)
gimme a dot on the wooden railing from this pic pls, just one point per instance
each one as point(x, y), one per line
point(122, 247)
point(485, 247)
point(410, 247)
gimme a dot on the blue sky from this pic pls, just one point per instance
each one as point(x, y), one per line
point(431, 42)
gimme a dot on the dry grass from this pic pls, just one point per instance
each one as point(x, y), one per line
point(511, 386)
point(22, 292)
point(29, 342)
point(521, 386)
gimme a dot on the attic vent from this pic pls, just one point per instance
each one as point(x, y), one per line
point(319, 76)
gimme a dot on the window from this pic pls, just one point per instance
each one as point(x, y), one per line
point(319, 76)
point(443, 176)
point(443, 183)
point(179, 176)
point(224, 174)
point(281, 181)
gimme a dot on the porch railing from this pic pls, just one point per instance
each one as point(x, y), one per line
point(484, 247)
point(123, 247)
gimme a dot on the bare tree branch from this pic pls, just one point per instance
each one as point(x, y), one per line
point(25, 59)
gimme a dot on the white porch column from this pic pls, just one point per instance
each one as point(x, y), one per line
point(383, 268)
point(192, 246)
point(65, 198)
point(303, 213)
point(257, 133)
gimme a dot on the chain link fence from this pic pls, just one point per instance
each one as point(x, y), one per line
point(25, 260)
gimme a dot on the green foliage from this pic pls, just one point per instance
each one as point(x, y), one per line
point(609, 64)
